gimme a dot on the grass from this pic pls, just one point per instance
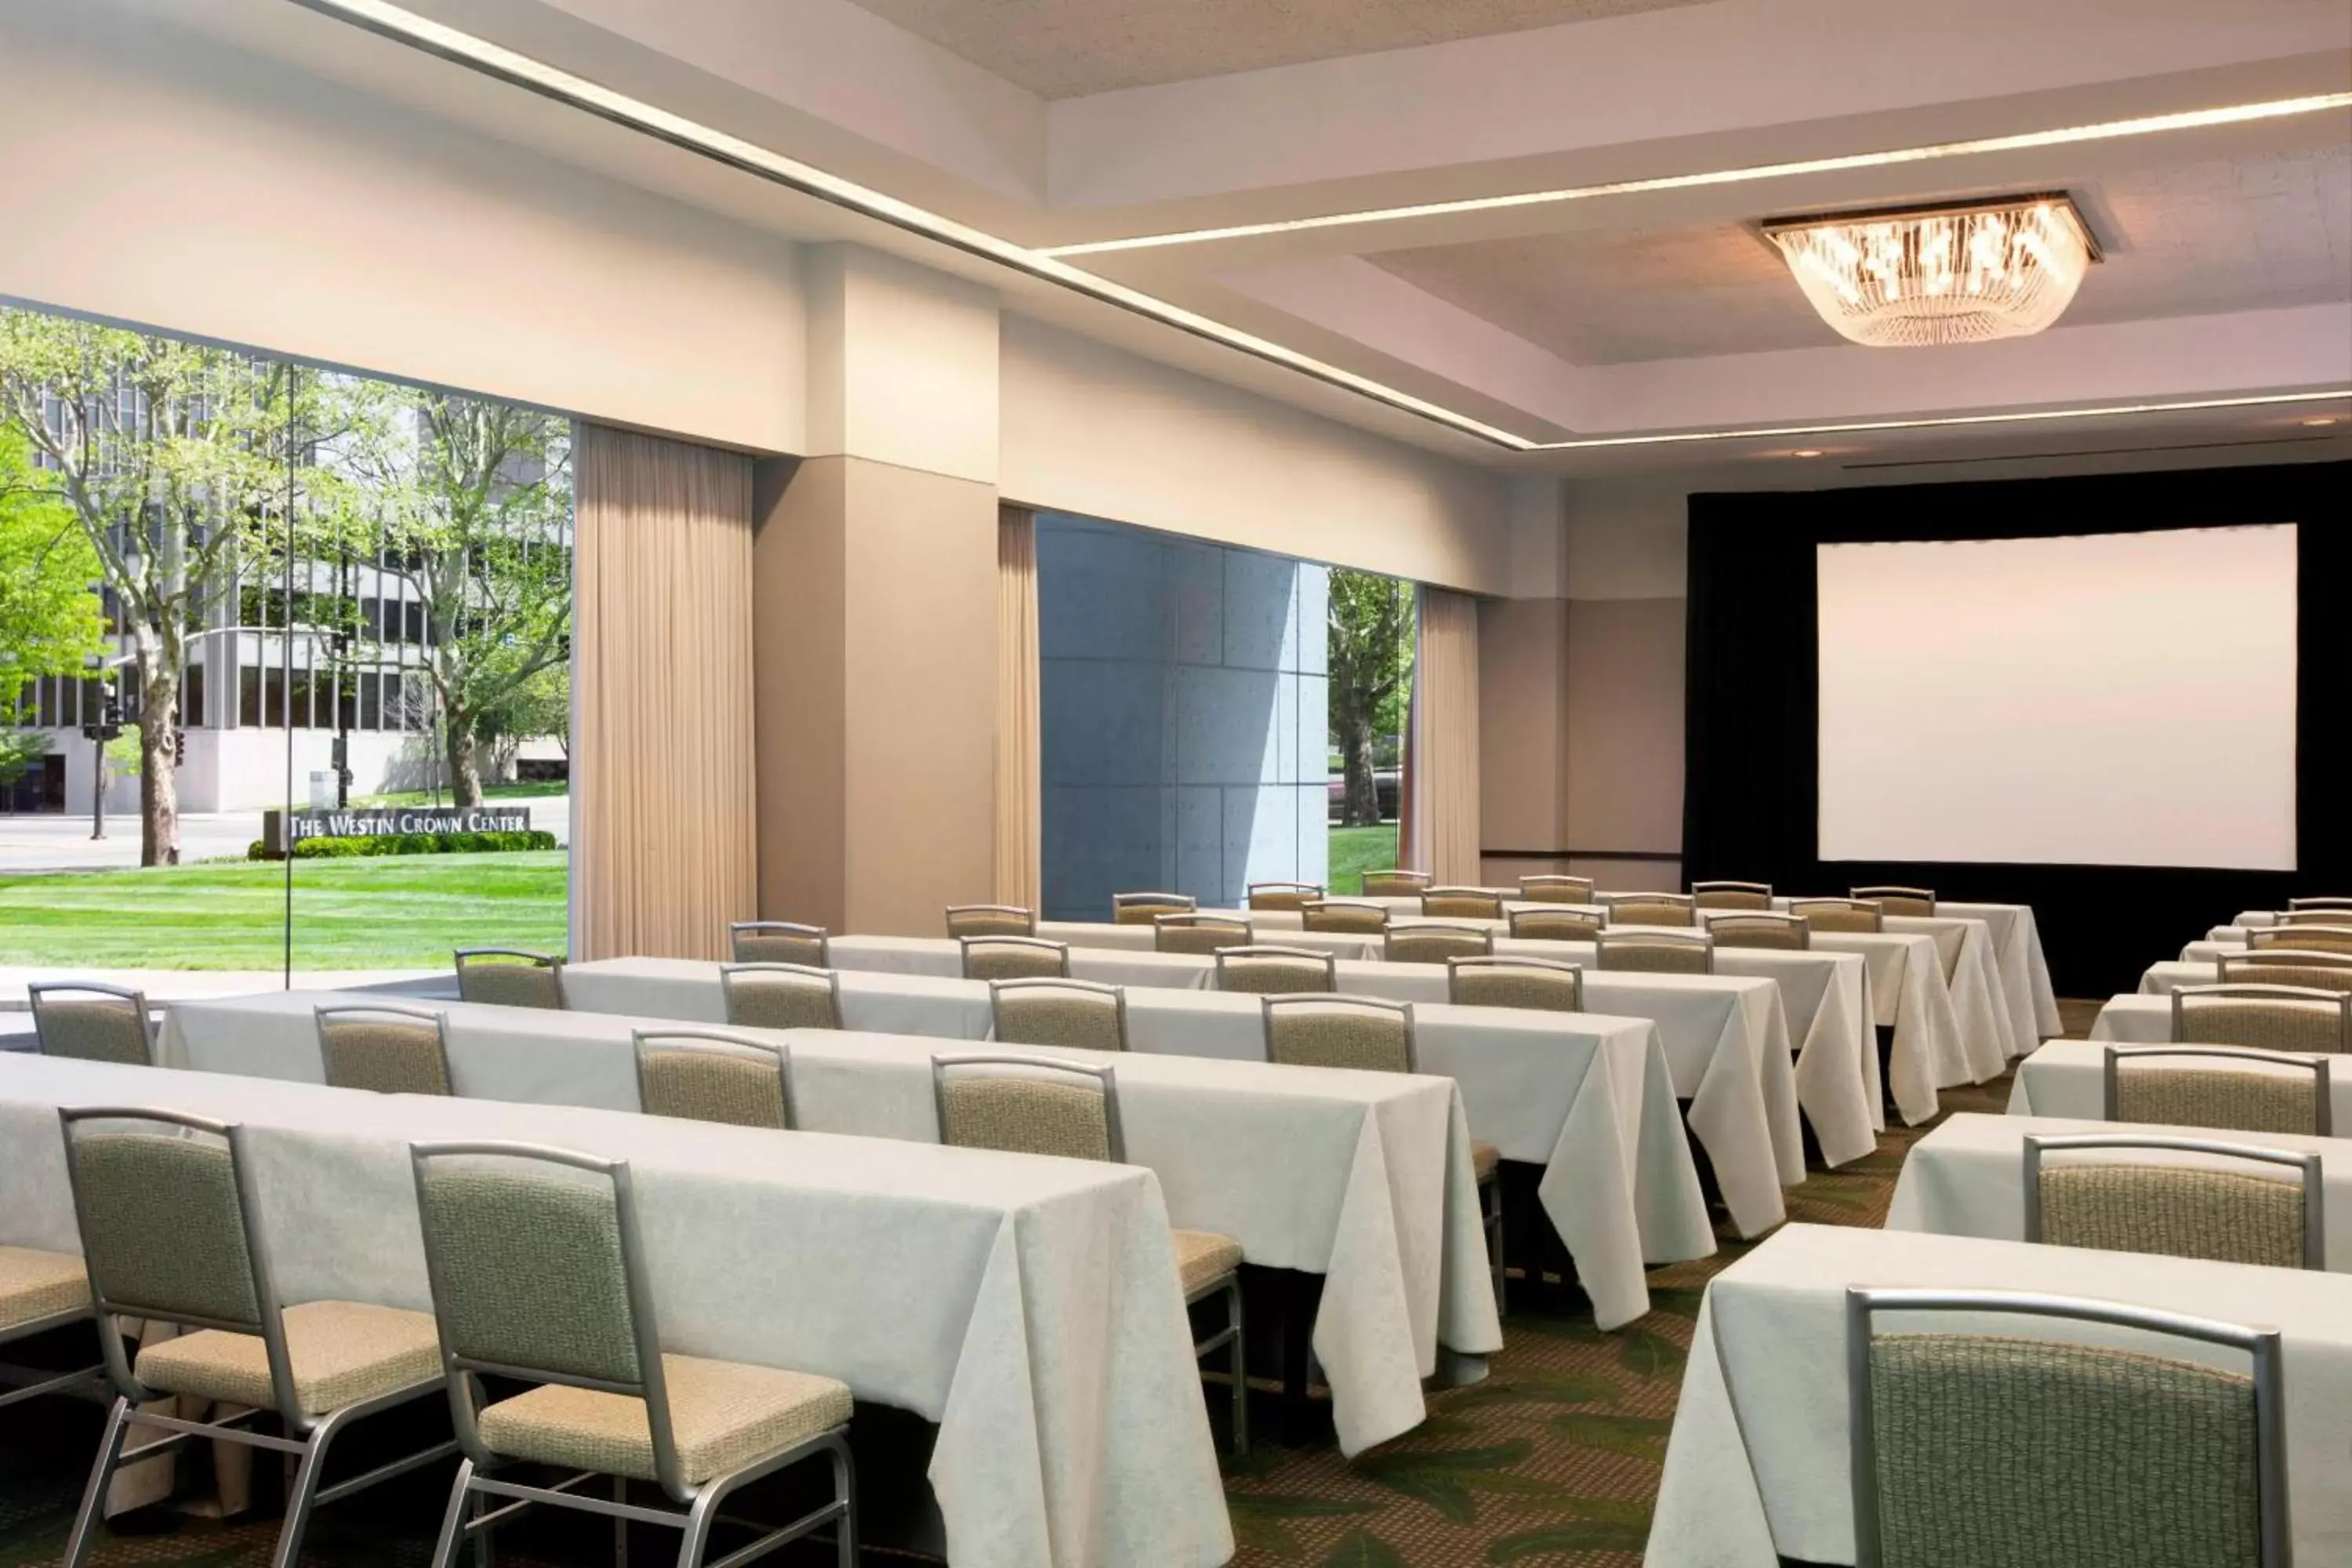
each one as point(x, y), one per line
point(395, 911)
point(538, 791)
point(1356, 851)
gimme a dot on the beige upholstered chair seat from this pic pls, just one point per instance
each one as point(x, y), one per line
point(2225, 1216)
point(724, 1415)
point(342, 1353)
point(2235, 1102)
point(35, 1285)
point(1485, 1158)
point(1203, 1257)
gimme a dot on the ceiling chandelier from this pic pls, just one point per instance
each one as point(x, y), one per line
point(1965, 273)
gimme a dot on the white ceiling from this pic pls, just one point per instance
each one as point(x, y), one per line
point(1069, 48)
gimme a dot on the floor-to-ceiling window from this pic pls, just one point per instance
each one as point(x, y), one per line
point(1370, 639)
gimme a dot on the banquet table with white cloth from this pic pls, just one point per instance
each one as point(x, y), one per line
point(2162, 979)
point(1967, 1176)
point(1726, 1040)
point(1363, 1178)
point(2064, 1077)
point(1757, 1464)
point(2140, 1019)
point(1587, 1097)
point(1029, 1307)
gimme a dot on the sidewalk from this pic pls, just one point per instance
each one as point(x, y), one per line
point(178, 984)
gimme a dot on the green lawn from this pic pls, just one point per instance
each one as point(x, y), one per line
point(489, 792)
point(1356, 851)
point(393, 911)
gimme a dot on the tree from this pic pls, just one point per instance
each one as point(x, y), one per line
point(171, 457)
point(1370, 667)
point(51, 619)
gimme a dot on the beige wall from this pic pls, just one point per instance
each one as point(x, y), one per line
point(1625, 736)
point(1523, 724)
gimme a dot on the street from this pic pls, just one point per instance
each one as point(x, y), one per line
point(34, 842)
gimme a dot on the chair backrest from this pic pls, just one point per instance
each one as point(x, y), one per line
point(1539, 983)
point(1462, 903)
point(1394, 884)
point(391, 1050)
point(1649, 908)
point(1058, 1012)
point(2201, 1479)
point(2236, 1090)
point(1028, 1105)
point(2316, 915)
point(1732, 895)
point(1014, 958)
point(1757, 928)
point(1656, 951)
point(1343, 915)
point(170, 1229)
point(2309, 938)
point(1282, 894)
point(1368, 1034)
point(1897, 900)
point(1435, 943)
point(537, 1268)
point(509, 977)
point(87, 1020)
point(1265, 971)
point(2267, 1018)
point(2273, 1216)
point(1558, 925)
point(1143, 908)
point(1555, 889)
point(1840, 915)
point(779, 941)
point(2285, 967)
point(702, 1075)
point(1200, 933)
point(780, 996)
point(2323, 901)
point(991, 920)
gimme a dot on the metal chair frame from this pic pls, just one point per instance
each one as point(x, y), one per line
point(738, 930)
point(2313, 915)
point(1758, 919)
point(1681, 902)
point(1329, 961)
point(1428, 928)
point(2315, 1217)
point(1617, 940)
point(439, 1020)
point(307, 1437)
point(1288, 895)
point(1158, 904)
point(1515, 919)
point(2255, 959)
point(1803, 908)
point(1228, 924)
point(1308, 910)
point(1061, 949)
point(1490, 903)
point(2340, 1001)
point(1027, 916)
point(1908, 895)
point(1541, 889)
point(1407, 884)
point(1506, 961)
point(2322, 901)
point(2264, 1346)
point(2265, 938)
point(2112, 1058)
point(717, 1042)
point(997, 988)
point(701, 1502)
point(467, 955)
point(729, 972)
point(1743, 892)
point(37, 990)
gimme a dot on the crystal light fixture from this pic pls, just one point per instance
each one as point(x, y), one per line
point(1964, 273)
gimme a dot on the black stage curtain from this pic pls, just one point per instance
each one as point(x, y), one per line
point(1752, 700)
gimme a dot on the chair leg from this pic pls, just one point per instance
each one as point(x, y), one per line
point(453, 1517)
point(1494, 1217)
point(301, 1494)
point(620, 1526)
point(1241, 1367)
point(844, 1485)
point(101, 1475)
point(699, 1521)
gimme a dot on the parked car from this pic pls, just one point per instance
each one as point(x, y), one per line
point(1386, 782)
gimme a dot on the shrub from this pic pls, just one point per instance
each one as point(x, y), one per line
point(331, 848)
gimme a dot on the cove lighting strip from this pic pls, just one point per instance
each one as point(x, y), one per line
point(478, 54)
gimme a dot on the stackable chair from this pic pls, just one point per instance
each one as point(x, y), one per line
point(2313, 970)
point(2339, 906)
point(1649, 908)
point(1436, 943)
point(2304, 935)
point(539, 1275)
point(1144, 908)
point(171, 1232)
point(991, 920)
point(41, 1291)
point(1842, 916)
point(2177, 1210)
point(509, 977)
point(1539, 983)
point(1076, 1013)
point(1558, 925)
point(1353, 916)
point(1656, 951)
point(1014, 958)
point(705, 1075)
point(1552, 890)
point(1462, 903)
point(1394, 884)
point(1282, 894)
point(1373, 1034)
point(391, 1050)
point(1200, 933)
point(1759, 927)
point(779, 941)
point(1980, 1446)
point(2267, 1018)
point(2236, 1090)
point(1042, 1105)
point(1266, 971)
point(780, 996)
point(89, 1021)
point(1897, 900)
point(1732, 895)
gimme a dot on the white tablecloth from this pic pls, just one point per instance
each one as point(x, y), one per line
point(1028, 1305)
point(1967, 1176)
point(1589, 1097)
point(2063, 1079)
point(2163, 979)
point(1756, 1466)
point(2025, 968)
point(1364, 1178)
point(2144, 1020)
point(1988, 1035)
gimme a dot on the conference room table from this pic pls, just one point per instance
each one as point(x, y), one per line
point(1363, 1178)
point(2163, 978)
point(1967, 1176)
point(1726, 1039)
point(1028, 1307)
point(1586, 1096)
point(2066, 1077)
point(1757, 1466)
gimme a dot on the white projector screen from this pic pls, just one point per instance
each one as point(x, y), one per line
point(2105, 700)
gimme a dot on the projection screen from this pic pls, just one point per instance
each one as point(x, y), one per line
point(2101, 699)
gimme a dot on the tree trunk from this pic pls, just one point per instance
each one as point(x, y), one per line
point(1359, 798)
point(465, 761)
point(159, 784)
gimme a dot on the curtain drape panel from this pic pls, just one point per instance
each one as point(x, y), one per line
point(664, 847)
point(1445, 828)
point(1017, 720)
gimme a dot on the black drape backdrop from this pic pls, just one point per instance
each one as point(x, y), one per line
point(1752, 700)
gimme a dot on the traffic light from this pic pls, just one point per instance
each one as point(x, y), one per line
point(179, 747)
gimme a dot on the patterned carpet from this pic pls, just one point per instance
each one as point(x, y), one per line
point(1551, 1462)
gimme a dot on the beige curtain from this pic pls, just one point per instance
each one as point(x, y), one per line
point(664, 851)
point(1016, 707)
point(1444, 788)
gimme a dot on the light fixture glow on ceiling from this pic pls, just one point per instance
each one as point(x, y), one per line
point(1923, 277)
point(494, 61)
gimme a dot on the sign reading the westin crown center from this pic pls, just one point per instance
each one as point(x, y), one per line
point(381, 822)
